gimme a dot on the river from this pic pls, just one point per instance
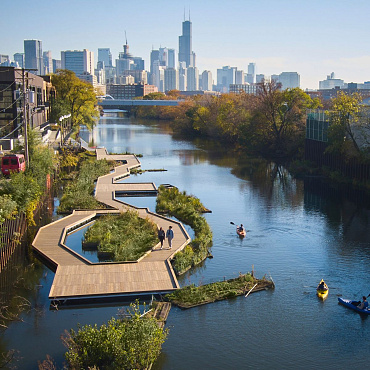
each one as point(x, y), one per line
point(299, 231)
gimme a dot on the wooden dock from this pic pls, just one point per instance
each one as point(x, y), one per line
point(77, 278)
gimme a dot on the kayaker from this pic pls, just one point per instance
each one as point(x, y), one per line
point(364, 304)
point(321, 285)
point(241, 228)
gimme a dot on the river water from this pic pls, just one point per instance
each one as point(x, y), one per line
point(298, 232)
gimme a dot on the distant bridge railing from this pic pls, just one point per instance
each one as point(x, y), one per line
point(127, 104)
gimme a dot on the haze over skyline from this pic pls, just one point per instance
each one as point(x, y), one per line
point(313, 38)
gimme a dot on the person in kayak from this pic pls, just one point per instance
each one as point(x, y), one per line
point(364, 304)
point(321, 286)
point(241, 228)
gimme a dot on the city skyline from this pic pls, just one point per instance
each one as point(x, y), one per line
point(312, 38)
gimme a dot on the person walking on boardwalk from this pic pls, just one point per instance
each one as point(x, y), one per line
point(161, 236)
point(169, 235)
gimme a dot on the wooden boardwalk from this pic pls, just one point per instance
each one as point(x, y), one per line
point(77, 278)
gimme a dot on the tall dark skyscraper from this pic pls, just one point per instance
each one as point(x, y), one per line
point(186, 53)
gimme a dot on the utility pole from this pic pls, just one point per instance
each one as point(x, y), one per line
point(25, 115)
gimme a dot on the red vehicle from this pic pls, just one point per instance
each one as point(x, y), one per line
point(12, 163)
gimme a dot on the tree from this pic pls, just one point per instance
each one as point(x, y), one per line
point(349, 125)
point(75, 97)
point(155, 96)
point(280, 114)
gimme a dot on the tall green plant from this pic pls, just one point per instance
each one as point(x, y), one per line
point(131, 343)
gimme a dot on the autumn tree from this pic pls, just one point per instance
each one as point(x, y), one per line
point(349, 129)
point(74, 97)
point(279, 116)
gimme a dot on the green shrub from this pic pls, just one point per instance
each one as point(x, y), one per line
point(187, 209)
point(133, 343)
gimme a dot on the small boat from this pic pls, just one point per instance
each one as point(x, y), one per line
point(322, 291)
point(241, 233)
point(350, 304)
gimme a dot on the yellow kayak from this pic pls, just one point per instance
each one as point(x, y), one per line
point(322, 290)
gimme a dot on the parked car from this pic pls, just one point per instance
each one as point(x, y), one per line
point(12, 163)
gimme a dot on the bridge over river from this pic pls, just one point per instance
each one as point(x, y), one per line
point(128, 104)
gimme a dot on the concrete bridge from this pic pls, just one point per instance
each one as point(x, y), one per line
point(128, 104)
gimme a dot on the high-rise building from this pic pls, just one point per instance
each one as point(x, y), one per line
point(127, 62)
point(239, 77)
point(183, 83)
point(78, 61)
point(186, 53)
point(260, 78)
point(331, 82)
point(192, 79)
point(57, 64)
point(171, 58)
point(19, 58)
point(33, 56)
point(251, 75)
point(289, 80)
point(48, 62)
point(104, 55)
point(207, 81)
point(158, 75)
point(4, 58)
point(154, 55)
point(225, 78)
point(171, 79)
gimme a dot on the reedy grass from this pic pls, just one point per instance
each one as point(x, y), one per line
point(125, 237)
point(78, 194)
point(192, 295)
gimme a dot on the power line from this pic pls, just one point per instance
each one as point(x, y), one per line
point(12, 131)
point(8, 87)
point(4, 109)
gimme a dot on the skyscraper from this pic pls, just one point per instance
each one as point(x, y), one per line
point(251, 76)
point(171, 79)
point(33, 56)
point(48, 62)
point(78, 61)
point(289, 80)
point(192, 79)
point(186, 53)
point(207, 81)
point(19, 58)
point(104, 55)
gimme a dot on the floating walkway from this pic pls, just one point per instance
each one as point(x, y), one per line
point(77, 279)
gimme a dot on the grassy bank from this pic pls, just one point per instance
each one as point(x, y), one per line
point(125, 237)
point(189, 210)
point(191, 296)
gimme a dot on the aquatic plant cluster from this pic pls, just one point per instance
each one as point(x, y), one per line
point(125, 237)
point(131, 342)
point(79, 192)
point(188, 209)
point(192, 295)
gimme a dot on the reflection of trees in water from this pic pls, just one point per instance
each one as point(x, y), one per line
point(346, 208)
point(271, 180)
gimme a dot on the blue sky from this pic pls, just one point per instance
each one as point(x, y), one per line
point(313, 38)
